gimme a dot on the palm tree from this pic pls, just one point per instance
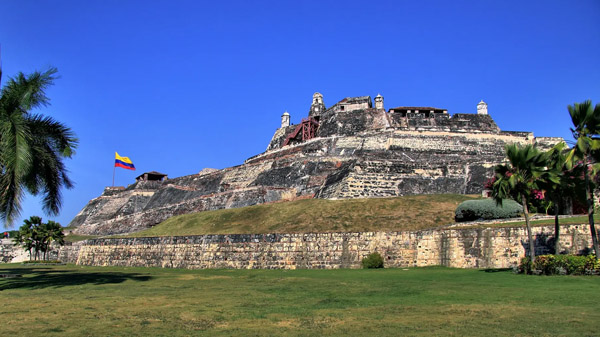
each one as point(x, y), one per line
point(518, 178)
point(37, 235)
point(32, 146)
point(567, 184)
point(586, 122)
point(24, 236)
point(51, 232)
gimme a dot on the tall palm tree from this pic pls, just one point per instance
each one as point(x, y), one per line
point(524, 170)
point(567, 184)
point(586, 122)
point(32, 146)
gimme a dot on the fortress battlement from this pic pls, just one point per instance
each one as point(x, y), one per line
point(353, 115)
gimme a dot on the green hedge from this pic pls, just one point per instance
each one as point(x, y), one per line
point(560, 265)
point(487, 209)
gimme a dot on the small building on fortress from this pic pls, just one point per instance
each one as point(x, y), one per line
point(352, 149)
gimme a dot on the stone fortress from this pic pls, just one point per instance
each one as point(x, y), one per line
point(353, 149)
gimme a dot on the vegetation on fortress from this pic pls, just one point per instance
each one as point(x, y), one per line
point(586, 122)
point(32, 146)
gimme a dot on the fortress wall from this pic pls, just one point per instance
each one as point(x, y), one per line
point(410, 162)
point(460, 248)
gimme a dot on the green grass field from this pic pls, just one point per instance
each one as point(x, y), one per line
point(112, 301)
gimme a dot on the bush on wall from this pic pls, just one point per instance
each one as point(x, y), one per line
point(487, 209)
point(373, 260)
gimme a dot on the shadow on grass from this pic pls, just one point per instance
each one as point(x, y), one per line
point(37, 278)
point(496, 270)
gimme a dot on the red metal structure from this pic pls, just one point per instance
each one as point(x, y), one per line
point(308, 127)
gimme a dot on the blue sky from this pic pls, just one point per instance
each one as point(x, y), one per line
point(178, 86)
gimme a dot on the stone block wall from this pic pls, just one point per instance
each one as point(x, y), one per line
point(11, 253)
point(460, 248)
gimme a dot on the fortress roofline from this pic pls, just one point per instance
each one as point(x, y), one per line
point(429, 108)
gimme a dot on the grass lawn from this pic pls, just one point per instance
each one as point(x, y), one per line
point(114, 301)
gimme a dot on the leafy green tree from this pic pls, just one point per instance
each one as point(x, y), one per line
point(586, 130)
point(32, 146)
point(518, 178)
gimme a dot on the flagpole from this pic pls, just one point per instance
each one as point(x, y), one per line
point(113, 185)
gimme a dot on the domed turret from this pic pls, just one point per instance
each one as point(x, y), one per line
point(482, 108)
point(379, 102)
point(317, 107)
point(285, 120)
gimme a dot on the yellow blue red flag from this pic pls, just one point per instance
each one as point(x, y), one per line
point(123, 162)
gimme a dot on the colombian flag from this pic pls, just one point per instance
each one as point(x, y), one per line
point(123, 162)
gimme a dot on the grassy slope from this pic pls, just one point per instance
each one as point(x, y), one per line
point(318, 215)
point(112, 301)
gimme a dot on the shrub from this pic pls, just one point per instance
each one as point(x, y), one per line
point(560, 265)
point(487, 209)
point(373, 260)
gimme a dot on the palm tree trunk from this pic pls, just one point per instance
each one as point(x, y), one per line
point(590, 203)
point(529, 235)
point(556, 230)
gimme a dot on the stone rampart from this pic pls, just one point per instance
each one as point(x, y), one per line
point(460, 248)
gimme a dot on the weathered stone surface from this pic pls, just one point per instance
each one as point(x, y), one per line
point(11, 253)
point(460, 248)
point(358, 152)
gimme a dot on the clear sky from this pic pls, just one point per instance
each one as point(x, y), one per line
point(178, 86)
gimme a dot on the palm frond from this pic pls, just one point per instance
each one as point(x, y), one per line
point(28, 92)
point(32, 146)
point(49, 131)
point(580, 115)
point(15, 158)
